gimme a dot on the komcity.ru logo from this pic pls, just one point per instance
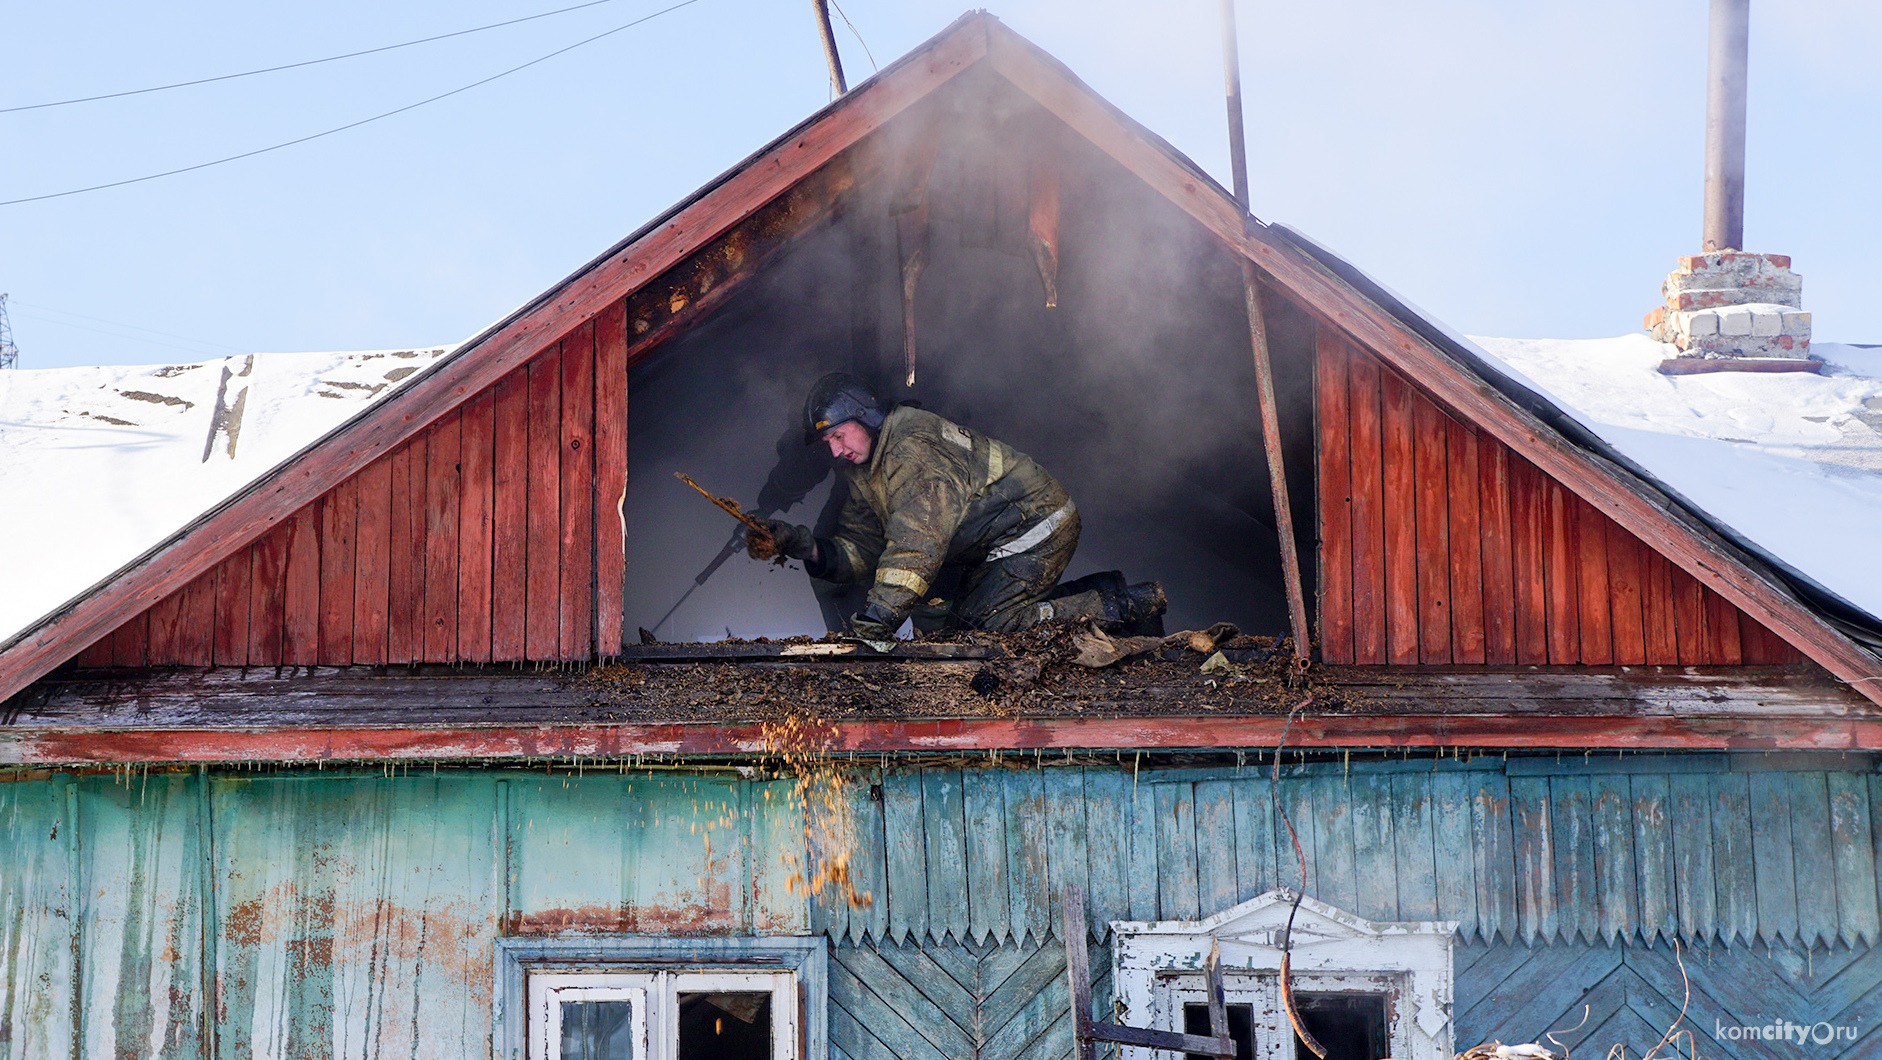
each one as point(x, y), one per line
point(1821, 1033)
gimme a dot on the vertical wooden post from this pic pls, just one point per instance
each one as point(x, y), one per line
point(837, 84)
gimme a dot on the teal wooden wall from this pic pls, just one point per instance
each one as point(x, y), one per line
point(1710, 849)
point(347, 916)
point(356, 915)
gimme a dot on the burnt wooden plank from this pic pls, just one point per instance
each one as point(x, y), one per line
point(232, 600)
point(1465, 532)
point(1689, 619)
point(267, 597)
point(1368, 508)
point(905, 851)
point(1626, 586)
point(1107, 848)
point(477, 480)
point(1572, 831)
point(946, 827)
point(1215, 845)
point(1415, 845)
point(405, 565)
point(1376, 874)
point(577, 619)
point(443, 494)
point(1695, 892)
point(1773, 859)
point(610, 528)
point(1561, 546)
point(1495, 539)
point(1595, 604)
point(543, 591)
point(1175, 808)
point(1336, 502)
point(1432, 506)
point(1812, 860)
point(339, 521)
point(196, 621)
point(1453, 852)
point(1732, 853)
point(1851, 829)
point(1491, 821)
point(1399, 513)
point(1028, 835)
point(1528, 559)
point(1254, 835)
point(1653, 857)
point(1068, 856)
point(1661, 631)
point(1722, 631)
point(372, 563)
point(1612, 812)
point(509, 572)
point(1534, 850)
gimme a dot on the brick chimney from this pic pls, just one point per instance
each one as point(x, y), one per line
point(1726, 309)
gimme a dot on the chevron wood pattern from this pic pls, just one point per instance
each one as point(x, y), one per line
point(972, 1001)
point(1632, 994)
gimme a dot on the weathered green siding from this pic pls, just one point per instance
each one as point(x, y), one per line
point(239, 914)
point(1710, 849)
point(353, 916)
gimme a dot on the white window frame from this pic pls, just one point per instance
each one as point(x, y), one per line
point(1157, 967)
point(536, 975)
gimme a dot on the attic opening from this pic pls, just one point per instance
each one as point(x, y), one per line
point(950, 230)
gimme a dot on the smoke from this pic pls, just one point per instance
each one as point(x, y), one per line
point(1137, 391)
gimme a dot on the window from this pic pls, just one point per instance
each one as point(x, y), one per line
point(661, 999)
point(1365, 990)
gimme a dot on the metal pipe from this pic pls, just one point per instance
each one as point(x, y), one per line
point(837, 84)
point(1232, 71)
point(1728, 45)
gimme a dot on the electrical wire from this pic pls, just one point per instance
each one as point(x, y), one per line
point(351, 125)
point(858, 36)
point(34, 312)
point(296, 66)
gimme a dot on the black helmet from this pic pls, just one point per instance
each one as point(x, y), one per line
point(838, 398)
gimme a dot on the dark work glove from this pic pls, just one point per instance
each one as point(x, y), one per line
point(793, 541)
point(875, 623)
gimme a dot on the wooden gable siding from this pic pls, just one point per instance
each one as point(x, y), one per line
point(1441, 545)
point(492, 534)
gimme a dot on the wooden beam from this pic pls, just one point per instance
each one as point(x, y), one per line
point(478, 364)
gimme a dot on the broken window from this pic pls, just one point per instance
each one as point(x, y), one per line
point(638, 998)
point(606, 1015)
point(1364, 990)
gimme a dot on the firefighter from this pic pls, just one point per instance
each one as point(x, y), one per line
point(928, 497)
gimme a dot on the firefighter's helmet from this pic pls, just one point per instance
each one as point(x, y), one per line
point(838, 398)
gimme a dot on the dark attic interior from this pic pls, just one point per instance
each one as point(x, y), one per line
point(978, 258)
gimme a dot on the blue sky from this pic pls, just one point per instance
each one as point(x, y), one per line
point(1520, 169)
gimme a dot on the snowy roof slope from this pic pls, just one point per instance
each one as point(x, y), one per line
point(1790, 461)
point(98, 465)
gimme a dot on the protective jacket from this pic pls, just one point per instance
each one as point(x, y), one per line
point(935, 493)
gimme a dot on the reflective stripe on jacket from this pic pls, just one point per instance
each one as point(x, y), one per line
point(932, 493)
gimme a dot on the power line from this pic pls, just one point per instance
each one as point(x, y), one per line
point(296, 66)
point(350, 125)
point(38, 309)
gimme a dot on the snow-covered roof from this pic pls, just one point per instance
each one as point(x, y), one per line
point(98, 465)
point(1790, 462)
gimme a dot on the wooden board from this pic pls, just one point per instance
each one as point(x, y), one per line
point(1336, 503)
point(576, 620)
point(1368, 510)
point(610, 477)
point(443, 495)
point(543, 589)
point(476, 526)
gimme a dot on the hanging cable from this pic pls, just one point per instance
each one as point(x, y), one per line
point(351, 125)
point(296, 66)
point(859, 37)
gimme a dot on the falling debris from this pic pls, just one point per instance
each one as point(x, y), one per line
point(763, 545)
